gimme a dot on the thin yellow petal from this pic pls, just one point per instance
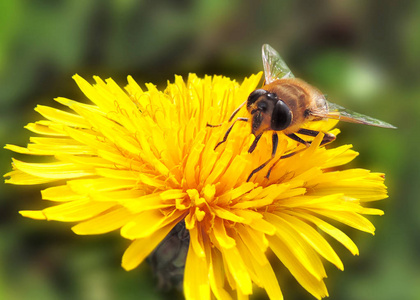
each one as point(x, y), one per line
point(93, 95)
point(349, 218)
point(96, 185)
point(141, 248)
point(341, 155)
point(192, 164)
point(56, 170)
point(196, 283)
point(61, 193)
point(42, 127)
point(21, 178)
point(196, 240)
point(265, 276)
point(238, 269)
point(329, 229)
point(77, 210)
point(301, 249)
point(255, 249)
point(33, 214)
point(247, 215)
point(314, 286)
point(118, 174)
point(62, 117)
point(221, 236)
point(313, 238)
point(89, 138)
point(104, 223)
point(21, 150)
point(227, 215)
point(263, 226)
point(236, 193)
point(216, 273)
point(147, 223)
point(137, 201)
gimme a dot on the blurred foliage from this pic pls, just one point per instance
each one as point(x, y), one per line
point(363, 54)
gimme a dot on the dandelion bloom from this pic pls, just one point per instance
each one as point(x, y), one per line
point(141, 161)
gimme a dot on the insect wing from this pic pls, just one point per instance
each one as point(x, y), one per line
point(274, 66)
point(338, 112)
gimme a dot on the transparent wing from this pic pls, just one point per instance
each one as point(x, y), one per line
point(338, 112)
point(274, 66)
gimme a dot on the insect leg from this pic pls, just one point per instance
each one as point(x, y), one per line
point(298, 139)
point(237, 110)
point(228, 131)
point(281, 157)
point(216, 125)
point(328, 137)
point(254, 143)
point(231, 116)
point(273, 153)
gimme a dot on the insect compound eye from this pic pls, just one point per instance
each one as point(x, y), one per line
point(262, 106)
point(254, 96)
point(272, 96)
point(282, 116)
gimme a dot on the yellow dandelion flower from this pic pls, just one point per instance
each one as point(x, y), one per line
point(142, 161)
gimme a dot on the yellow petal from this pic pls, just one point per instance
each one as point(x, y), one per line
point(43, 128)
point(196, 283)
point(329, 229)
point(220, 234)
point(192, 164)
point(226, 214)
point(313, 238)
point(93, 95)
point(216, 273)
point(301, 249)
point(349, 218)
point(21, 150)
point(104, 223)
point(77, 210)
point(238, 269)
point(147, 223)
point(255, 249)
point(57, 146)
point(96, 185)
point(265, 276)
point(263, 226)
point(313, 285)
point(141, 248)
point(118, 174)
point(33, 214)
point(230, 178)
point(340, 156)
point(269, 281)
point(196, 240)
point(236, 193)
point(89, 138)
point(61, 193)
point(137, 203)
point(53, 170)
point(247, 215)
point(62, 117)
point(21, 178)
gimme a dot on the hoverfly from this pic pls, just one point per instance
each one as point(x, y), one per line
point(285, 103)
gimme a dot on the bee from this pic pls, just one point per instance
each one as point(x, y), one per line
point(284, 104)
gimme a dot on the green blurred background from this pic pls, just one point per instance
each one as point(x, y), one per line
point(364, 54)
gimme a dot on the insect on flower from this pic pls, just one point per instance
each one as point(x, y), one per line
point(140, 161)
point(284, 104)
